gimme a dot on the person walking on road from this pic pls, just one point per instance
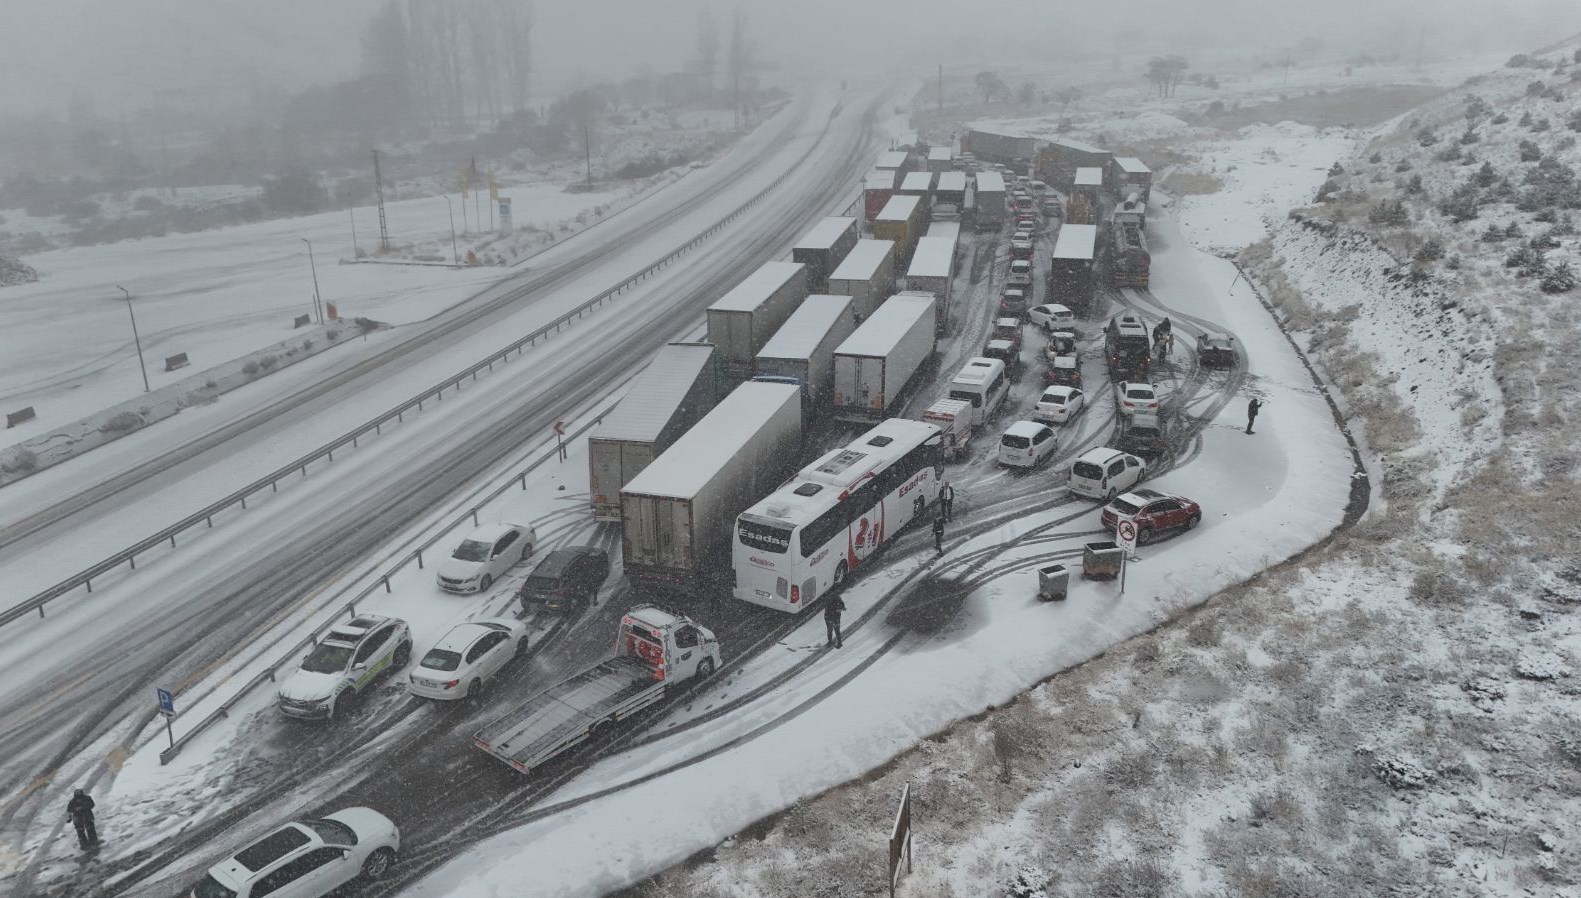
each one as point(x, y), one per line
point(1252, 409)
point(80, 810)
point(938, 534)
point(947, 500)
point(831, 619)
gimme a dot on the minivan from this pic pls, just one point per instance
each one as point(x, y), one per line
point(1021, 273)
point(1026, 444)
point(983, 384)
point(566, 580)
point(1104, 473)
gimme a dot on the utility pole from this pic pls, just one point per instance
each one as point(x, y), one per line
point(352, 211)
point(136, 340)
point(318, 303)
point(378, 193)
point(455, 254)
point(587, 144)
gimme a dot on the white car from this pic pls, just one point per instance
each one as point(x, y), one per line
point(1058, 405)
point(463, 661)
point(1052, 316)
point(307, 858)
point(1025, 444)
point(347, 660)
point(484, 556)
point(1136, 397)
point(1021, 273)
point(1104, 473)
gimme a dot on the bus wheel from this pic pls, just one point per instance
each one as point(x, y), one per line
point(839, 576)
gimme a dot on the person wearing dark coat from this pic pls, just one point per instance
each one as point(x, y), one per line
point(80, 810)
point(938, 534)
point(1251, 413)
point(831, 619)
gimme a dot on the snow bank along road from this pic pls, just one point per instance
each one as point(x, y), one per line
point(93, 664)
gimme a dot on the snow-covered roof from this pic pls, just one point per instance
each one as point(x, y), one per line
point(823, 484)
point(990, 182)
point(1076, 241)
point(951, 181)
point(891, 159)
point(757, 287)
point(824, 234)
point(659, 389)
point(1077, 145)
point(888, 325)
point(806, 327)
point(918, 180)
point(950, 230)
point(864, 259)
point(1089, 176)
point(932, 258)
point(940, 154)
point(1132, 165)
point(696, 458)
point(899, 208)
point(880, 180)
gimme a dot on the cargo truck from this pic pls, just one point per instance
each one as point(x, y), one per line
point(931, 271)
point(824, 248)
point(954, 418)
point(988, 201)
point(901, 220)
point(741, 321)
point(867, 275)
point(876, 363)
point(678, 387)
point(803, 347)
point(941, 159)
point(1071, 267)
point(877, 188)
point(656, 650)
point(917, 183)
point(676, 516)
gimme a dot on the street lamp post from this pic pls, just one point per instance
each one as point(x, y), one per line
point(318, 302)
point(455, 254)
point(136, 340)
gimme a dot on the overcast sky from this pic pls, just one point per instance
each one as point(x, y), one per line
point(135, 53)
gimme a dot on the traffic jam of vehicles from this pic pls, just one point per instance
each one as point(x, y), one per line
point(772, 461)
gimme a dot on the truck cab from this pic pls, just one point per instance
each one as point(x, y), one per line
point(674, 646)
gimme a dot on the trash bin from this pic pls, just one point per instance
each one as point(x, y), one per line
point(1101, 560)
point(1053, 582)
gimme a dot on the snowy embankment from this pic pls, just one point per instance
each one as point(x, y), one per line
point(1395, 712)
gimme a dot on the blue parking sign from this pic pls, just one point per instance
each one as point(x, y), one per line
point(167, 702)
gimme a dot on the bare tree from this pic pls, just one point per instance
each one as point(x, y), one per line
point(991, 86)
point(1166, 72)
point(1027, 93)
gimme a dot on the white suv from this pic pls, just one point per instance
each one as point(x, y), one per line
point(1104, 473)
point(1025, 444)
point(307, 858)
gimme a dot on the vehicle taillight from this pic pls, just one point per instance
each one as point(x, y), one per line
point(795, 594)
point(658, 672)
point(452, 684)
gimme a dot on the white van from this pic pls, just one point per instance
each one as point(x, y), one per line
point(1104, 473)
point(983, 384)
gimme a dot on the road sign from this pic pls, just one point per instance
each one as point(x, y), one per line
point(1125, 535)
point(167, 702)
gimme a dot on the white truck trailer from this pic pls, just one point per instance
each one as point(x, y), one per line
point(823, 248)
point(678, 387)
point(656, 650)
point(676, 516)
point(741, 321)
point(988, 201)
point(803, 347)
point(931, 271)
point(867, 275)
point(874, 365)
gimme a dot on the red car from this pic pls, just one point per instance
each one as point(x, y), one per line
point(1153, 511)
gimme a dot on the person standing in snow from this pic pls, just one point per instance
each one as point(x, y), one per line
point(938, 534)
point(1251, 413)
point(947, 500)
point(831, 619)
point(80, 810)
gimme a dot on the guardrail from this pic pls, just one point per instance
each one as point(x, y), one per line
point(469, 517)
point(128, 556)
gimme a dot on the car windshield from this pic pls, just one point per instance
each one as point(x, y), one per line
point(271, 848)
point(765, 536)
point(1087, 470)
point(333, 832)
point(965, 396)
point(1124, 507)
point(440, 659)
point(1012, 441)
point(1139, 393)
point(327, 659)
point(473, 550)
point(209, 887)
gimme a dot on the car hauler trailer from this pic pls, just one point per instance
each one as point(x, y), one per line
point(678, 387)
point(876, 363)
point(867, 275)
point(677, 514)
point(803, 347)
point(741, 321)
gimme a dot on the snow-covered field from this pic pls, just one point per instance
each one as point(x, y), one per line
point(1395, 712)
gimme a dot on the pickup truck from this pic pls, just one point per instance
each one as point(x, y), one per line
point(655, 651)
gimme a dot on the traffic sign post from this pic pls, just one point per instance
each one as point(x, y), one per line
point(167, 709)
point(1125, 535)
point(559, 438)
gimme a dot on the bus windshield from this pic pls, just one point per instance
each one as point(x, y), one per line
point(765, 536)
